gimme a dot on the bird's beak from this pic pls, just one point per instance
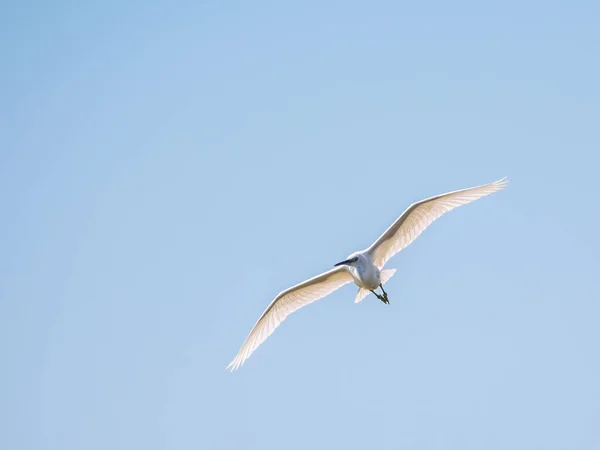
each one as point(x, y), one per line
point(347, 261)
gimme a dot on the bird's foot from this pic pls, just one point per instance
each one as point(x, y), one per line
point(383, 298)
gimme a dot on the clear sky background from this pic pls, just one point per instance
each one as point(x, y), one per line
point(167, 168)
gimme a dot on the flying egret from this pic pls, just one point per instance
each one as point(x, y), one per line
point(365, 268)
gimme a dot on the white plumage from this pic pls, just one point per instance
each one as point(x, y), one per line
point(364, 268)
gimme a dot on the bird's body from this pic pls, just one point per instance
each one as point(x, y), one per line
point(365, 274)
point(364, 268)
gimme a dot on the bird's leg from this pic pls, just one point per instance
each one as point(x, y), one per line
point(381, 297)
point(384, 294)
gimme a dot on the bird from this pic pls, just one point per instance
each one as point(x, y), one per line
point(364, 268)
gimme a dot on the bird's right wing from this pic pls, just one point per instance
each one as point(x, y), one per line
point(286, 303)
point(420, 215)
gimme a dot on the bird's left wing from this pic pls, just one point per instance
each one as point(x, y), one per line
point(286, 303)
point(420, 215)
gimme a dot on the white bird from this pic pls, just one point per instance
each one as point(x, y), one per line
point(365, 268)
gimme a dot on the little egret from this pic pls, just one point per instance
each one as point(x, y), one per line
point(365, 268)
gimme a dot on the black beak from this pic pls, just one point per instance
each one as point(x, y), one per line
point(342, 263)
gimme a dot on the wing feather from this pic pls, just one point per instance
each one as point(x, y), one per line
point(420, 215)
point(286, 303)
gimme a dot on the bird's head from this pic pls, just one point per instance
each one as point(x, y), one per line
point(352, 260)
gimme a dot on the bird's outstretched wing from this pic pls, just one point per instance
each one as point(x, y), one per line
point(420, 215)
point(286, 303)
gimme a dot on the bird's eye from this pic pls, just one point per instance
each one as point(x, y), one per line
point(355, 259)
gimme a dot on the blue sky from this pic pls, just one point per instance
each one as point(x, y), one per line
point(166, 169)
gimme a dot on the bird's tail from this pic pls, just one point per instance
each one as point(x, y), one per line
point(385, 275)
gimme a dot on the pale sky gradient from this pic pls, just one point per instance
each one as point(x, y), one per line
point(167, 168)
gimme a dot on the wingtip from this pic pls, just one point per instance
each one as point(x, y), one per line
point(501, 183)
point(235, 364)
